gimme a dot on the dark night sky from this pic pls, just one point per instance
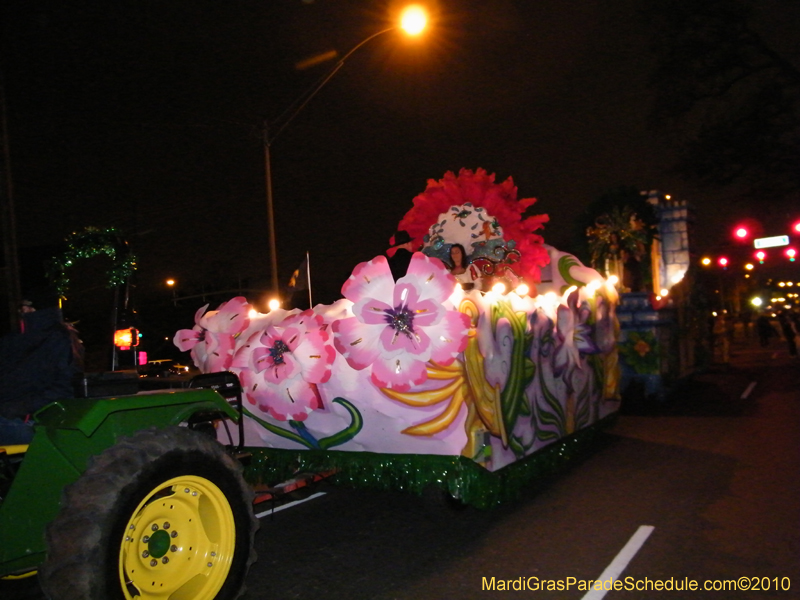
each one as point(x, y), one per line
point(146, 115)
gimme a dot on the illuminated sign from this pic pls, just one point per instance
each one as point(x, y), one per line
point(771, 242)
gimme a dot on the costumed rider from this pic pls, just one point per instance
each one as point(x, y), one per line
point(465, 272)
point(37, 366)
point(399, 261)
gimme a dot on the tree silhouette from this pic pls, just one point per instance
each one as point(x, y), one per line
point(729, 97)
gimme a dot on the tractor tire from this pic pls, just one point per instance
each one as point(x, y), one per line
point(164, 513)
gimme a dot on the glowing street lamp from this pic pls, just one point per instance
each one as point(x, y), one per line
point(413, 20)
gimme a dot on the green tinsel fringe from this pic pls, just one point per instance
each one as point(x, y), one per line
point(460, 477)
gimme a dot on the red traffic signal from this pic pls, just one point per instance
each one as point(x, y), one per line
point(741, 232)
point(126, 338)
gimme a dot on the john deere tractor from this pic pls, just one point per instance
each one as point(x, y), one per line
point(129, 496)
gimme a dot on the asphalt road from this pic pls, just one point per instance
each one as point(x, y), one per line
point(712, 475)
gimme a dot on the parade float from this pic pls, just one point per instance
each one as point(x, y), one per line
point(419, 383)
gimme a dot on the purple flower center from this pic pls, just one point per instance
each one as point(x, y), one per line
point(277, 351)
point(401, 320)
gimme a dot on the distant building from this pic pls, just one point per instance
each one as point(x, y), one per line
point(671, 253)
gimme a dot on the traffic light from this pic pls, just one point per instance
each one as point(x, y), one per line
point(760, 256)
point(791, 253)
point(796, 227)
point(723, 262)
point(126, 338)
point(741, 232)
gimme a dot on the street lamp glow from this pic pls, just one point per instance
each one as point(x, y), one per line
point(706, 261)
point(756, 301)
point(413, 19)
point(170, 282)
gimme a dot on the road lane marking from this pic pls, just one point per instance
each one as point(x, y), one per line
point(289, 505)
point(621, 560)
point(749, 389)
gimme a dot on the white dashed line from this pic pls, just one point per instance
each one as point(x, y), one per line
point(617, 566)
point(749, 389)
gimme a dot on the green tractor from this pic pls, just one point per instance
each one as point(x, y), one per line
point(130, 497)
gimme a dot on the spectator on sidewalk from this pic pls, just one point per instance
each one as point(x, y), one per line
point(787, 327)
point(765, 330)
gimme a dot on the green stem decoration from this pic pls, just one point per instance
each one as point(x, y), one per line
point(565, 263)
point(521, 368)
point(305, 438)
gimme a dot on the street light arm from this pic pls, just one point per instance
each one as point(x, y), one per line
point(298, 105)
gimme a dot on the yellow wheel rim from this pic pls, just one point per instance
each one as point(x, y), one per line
point(179, 542)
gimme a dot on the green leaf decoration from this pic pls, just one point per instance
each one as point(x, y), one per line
point(565, 263)
point(289, 435)
point(521, 370)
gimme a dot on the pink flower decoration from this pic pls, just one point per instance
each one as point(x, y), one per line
point(280, 366)
point(294, 399)
point(299, 345)
point(398, 328)
point(212, 339)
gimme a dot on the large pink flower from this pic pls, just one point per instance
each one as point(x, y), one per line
point(299, 345)
point(398, 328)
point(280, 365)
point(212, 339)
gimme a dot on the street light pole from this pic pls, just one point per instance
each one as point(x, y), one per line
point(283, 121)
point(413, 27)
point(273, 246)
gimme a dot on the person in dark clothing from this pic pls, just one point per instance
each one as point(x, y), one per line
point(765, 330)
point(399, 261)
point(787, 327)
point(37, 367)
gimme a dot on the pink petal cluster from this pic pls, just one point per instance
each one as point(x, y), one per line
point(399, 327)
point(212, 340)
point(499, 200)
point(285, 363)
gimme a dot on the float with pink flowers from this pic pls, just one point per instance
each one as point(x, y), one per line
point(420, 382)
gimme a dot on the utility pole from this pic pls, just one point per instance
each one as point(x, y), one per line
point(9, 219)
